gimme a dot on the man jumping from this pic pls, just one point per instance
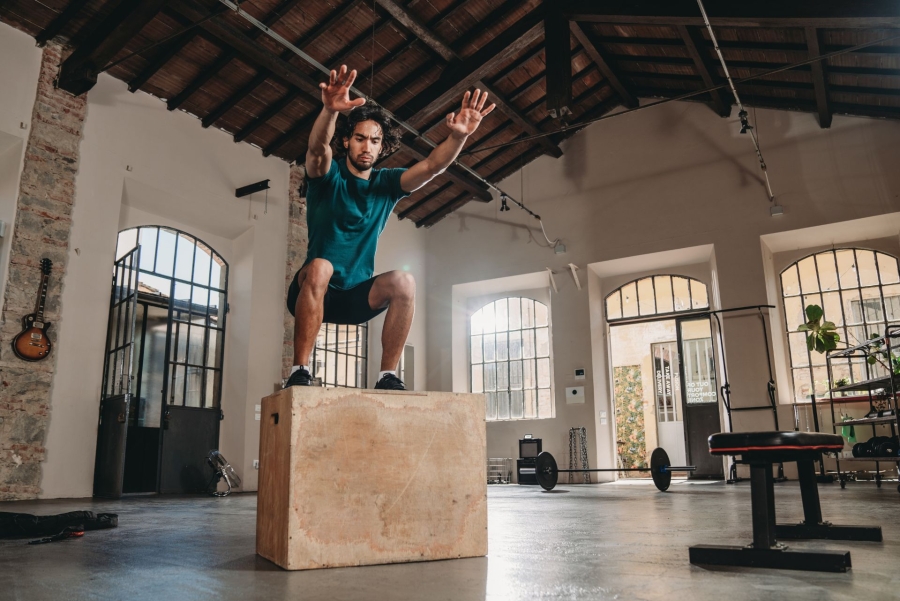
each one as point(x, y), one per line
point(348, 205)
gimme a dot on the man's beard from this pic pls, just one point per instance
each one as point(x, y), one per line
point(360, 166)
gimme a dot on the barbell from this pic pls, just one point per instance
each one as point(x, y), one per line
point(547, 473)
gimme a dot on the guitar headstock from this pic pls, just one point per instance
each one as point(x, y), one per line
point(46, 266)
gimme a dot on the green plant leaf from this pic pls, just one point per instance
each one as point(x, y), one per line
point(871, 360)
point(829, 326)
point(811, 342)
point(814, 313)
point(803, 328)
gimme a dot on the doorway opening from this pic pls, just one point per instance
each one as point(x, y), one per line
point(163, 372)
point(663, 371)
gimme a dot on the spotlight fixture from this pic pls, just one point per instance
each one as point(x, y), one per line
point(745, 124)
point(503, 205)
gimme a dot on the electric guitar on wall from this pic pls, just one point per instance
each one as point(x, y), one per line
point(32, 344)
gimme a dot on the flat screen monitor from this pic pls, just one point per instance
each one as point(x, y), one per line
point(529, 447)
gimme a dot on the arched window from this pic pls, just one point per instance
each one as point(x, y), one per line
point(858, 289)
point(510, 358)
point(656, 295)
point(182, 288)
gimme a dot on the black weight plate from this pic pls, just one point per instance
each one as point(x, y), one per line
point(545, 471)
point(886, 449)
point(859, 449)
point(659, 460)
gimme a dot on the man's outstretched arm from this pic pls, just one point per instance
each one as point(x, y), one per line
point(336, 98)
point(462, 125)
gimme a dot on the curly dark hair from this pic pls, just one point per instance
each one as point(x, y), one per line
point(368, 112)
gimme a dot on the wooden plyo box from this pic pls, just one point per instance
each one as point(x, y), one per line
point(353, 477)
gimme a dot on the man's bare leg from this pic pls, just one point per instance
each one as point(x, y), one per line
point(395, 290)
point(310, 307)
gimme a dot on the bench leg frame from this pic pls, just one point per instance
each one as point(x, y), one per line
point(779, 558)
point(765, 552)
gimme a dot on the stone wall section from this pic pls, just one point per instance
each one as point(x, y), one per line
point(298, 237)
point(42, 228)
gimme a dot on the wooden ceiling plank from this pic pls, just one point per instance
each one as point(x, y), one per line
point(204, 76)
point(304, 44)
point(418, 29)
point(458, 78)
point(453, 172)
point(422, 201)
point(78, 73)
point(444, 210)
point(227, 56)
point(272, 110)
point(63, 18)
point(249, 50)
point(818, 77)
point(443, 49)
point(618, 84)
point(230, 102)
point(170, 49)
point(727, 13)
point(558, 55)
point(691, 38)
point(297, 128)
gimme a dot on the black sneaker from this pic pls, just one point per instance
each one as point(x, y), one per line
point(300, 377)
point(390, 382)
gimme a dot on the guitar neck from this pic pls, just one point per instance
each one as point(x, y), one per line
point(42, 297)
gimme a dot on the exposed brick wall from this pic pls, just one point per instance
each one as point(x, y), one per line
point(42, 227)
point(298, 237)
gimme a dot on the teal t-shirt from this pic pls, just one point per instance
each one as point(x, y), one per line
point(346, 215)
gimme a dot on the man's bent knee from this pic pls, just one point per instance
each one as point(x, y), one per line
point(402, 285)
point(317, 273)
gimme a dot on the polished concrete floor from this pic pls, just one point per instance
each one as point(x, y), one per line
point(612, 541)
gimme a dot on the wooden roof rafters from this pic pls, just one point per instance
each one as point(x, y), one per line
point(428, 52)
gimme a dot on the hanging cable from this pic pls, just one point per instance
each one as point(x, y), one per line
point(685, 96)
point(370, 98)
point(742, 112)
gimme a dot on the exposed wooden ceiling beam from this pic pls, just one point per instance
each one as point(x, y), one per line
point(56, 25)
point(249, 50)
point(818, 77)
point(422, 201)
point(170, 49)
point(453, 172)
point(618, 84)
point(558, 53)
point(443, 211)
point(299, 127)
point(418, 28)
point(227, 56)
point(690, 37)
point(727, 13)
point(458, 78)
point(271, 110)
point(443, 49)
point(78, 73)
point(304, 44)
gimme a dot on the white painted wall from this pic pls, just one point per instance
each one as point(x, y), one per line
point(672, 177)
point(180, 176)
point(20, 62)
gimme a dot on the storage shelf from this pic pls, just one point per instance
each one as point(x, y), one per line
point(871, 459)
point(887, 419)
point(867, 385)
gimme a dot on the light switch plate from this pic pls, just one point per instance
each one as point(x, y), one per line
point(575, 395)
point(579, 373)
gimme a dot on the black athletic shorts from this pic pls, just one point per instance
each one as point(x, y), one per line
point(345, 307)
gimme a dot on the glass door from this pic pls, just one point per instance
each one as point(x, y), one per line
point(699, 394)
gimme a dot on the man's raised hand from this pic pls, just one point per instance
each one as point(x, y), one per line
point(336, 93)
point(470, 114)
